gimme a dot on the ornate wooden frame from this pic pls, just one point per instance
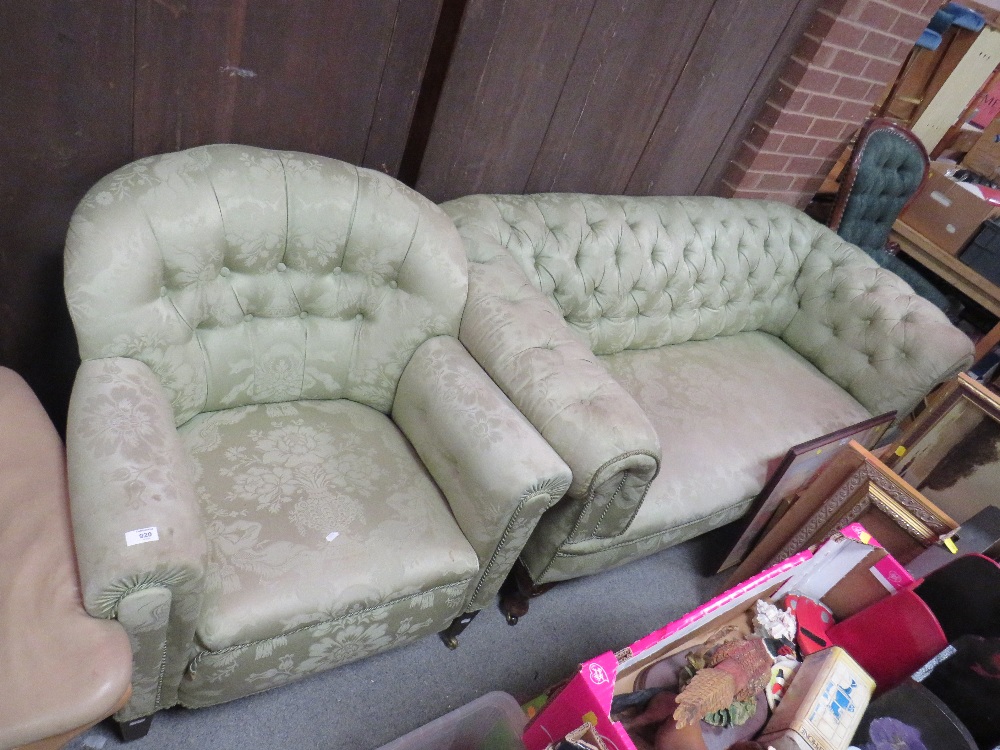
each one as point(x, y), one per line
point(787, 479)
point(872, 486)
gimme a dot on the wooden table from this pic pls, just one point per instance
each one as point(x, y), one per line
point(963, 278)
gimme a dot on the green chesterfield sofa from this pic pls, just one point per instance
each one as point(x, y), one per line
point(669, 349)
point(280, 457)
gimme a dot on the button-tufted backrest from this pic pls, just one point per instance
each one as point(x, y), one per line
point(242, 275)
point(643, 272)
point(887, 167)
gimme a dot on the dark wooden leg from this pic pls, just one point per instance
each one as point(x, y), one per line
point(513, 602)
point(460, 623)
point(135, 729)
point(517, 591)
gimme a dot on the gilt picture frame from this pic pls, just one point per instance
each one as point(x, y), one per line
point(796, 470)
point(840, 494)
point(903, 520)
point(951, 451)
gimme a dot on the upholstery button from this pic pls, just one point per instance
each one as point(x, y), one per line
point(337, 269)
point(282, 267)
point(223, 271)
point(247, 318)
point(163, 291)
point(359, 317)
point(393, 284)
point(303, 314)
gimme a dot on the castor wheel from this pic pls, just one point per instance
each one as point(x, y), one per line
point(512, 619)
point(449, 636)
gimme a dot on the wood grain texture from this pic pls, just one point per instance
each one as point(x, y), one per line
point(399, 87)
point(724, 68)
point(184, 96)
point(767, 79)
point(65, 120)
point(618, 96)
point(625, 72)
point(507, 71)
point(338, 79)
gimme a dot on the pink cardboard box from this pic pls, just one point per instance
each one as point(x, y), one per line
point(587, 695)
point(889, 572)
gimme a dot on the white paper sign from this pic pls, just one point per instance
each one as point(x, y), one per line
point(141, 536)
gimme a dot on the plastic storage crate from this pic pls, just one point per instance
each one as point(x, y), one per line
point(983, 253)
point(493, 722)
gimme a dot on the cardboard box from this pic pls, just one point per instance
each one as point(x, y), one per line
point(849, 572)
point(587, 696)
point(984, 157)
point(947, 213)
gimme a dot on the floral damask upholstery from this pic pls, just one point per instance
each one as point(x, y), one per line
point(274, 404)
point(670, 348)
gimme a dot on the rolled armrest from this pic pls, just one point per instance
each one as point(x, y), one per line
point(493, 467)
point(519, 337)
point(869, 332)
point(137, 528)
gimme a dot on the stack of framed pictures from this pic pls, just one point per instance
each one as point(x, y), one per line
point(825, 484)
point(797, 469)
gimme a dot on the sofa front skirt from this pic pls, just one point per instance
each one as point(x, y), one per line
point(218, 676)
point(567, 563)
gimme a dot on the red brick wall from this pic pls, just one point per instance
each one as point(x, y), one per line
point(852, 50)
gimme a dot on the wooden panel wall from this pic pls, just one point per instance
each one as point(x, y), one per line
point(613, 96)
point(65, 104)
point(606, 96)
point(86, 87)
point(727, 78)
point(332, 78)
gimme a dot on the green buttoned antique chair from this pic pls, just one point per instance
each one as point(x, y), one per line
point(887, 167)
point(280, 457)
point(672, 348)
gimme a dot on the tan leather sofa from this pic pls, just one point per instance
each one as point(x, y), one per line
point(62, 670)
point(670, 348)
point(281, 459)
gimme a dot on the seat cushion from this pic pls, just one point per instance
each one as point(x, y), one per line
point(724, 409)
point(314, 509)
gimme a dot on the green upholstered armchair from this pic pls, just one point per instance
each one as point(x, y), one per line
point(670, 348)
point(886, 169)
point(281, 459)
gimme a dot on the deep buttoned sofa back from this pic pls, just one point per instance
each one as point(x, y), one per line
point(644, 272)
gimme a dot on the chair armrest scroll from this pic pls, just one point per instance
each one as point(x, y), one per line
point(495, 470)
point(137, 528)
point(521, 339)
